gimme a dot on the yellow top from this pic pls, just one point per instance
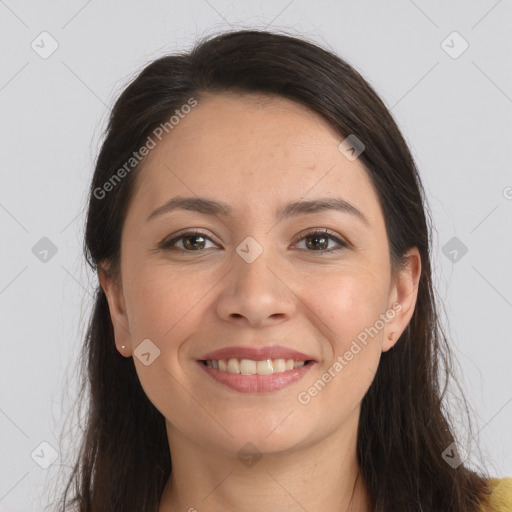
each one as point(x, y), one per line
point(501, 497)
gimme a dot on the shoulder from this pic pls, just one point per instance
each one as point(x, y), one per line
point(501, 497)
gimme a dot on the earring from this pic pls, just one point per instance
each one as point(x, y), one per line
point(123, 346)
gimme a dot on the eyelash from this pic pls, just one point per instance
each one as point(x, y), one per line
point(169, 245)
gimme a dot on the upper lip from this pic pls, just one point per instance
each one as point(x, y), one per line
point(258, 354)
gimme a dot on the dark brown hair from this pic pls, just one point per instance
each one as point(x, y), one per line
point(124, 461)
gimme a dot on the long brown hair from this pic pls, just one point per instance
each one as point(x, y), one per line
point(124, 460)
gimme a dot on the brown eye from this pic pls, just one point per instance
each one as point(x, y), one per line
point(194, 242)
point(315, 241)
point(190, 242)
point(318, 241)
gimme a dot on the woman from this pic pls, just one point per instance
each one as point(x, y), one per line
point(265, 333)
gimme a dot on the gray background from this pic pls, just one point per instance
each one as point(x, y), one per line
point(455, 113)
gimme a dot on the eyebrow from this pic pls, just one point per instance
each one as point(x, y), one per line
point(211, 207)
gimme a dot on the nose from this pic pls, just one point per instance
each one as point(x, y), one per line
point(256, 294)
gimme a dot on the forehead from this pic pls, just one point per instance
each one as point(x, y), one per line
point(252, 148)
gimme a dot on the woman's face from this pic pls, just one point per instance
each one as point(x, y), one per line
point(255, 278)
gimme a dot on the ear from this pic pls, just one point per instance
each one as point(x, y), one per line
point(402, 299)
point(116, 305)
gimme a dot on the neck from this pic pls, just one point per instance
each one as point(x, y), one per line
point(322, 476)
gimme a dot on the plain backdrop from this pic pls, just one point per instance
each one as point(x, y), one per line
point(442, 68)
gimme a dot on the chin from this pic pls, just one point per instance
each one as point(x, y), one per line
point(269, 437)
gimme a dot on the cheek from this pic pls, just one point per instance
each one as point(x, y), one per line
point(349, 306)
point(345, 305)
point(347, 302)
point(163, 300)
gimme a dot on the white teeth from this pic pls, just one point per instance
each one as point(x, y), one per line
point(264, 367)
point(233, 366)
point(279, 365)
point(250, 367)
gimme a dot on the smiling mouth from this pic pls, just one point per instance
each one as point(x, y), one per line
point(251, 367)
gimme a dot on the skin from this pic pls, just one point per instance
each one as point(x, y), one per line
point(257, 153)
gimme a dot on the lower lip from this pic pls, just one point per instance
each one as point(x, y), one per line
point(257, 383)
